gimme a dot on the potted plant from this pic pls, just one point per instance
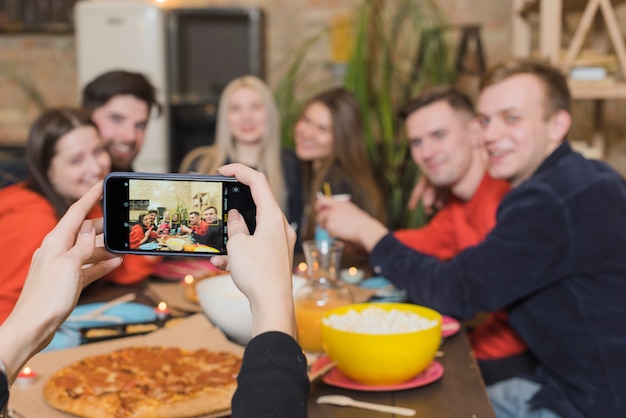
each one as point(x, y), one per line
point(398, 47)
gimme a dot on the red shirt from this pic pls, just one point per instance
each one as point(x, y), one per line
point(201, 229)
point(461, 224)
point(136, 236)
point(26, 218)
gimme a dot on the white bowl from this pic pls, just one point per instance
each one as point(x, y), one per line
point(228, 308)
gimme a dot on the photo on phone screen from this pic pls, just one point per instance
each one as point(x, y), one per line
point(172, 214)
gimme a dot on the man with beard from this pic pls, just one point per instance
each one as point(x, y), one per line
point(120, 103)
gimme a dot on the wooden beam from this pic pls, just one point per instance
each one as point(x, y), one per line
point(614, 33)
point(579, 36)
point(550, 22)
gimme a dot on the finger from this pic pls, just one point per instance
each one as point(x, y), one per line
point(98, 224)
point(96, 271)
point(324, 202)
point(291, 240)
point(220, 261)
point(259, 187)
point(84, 246)
point(100, 254)
point(73, 218)
point(236, 224)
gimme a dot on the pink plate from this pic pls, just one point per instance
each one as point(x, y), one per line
point(449, 326)
point(336, 378)
point(177, 269)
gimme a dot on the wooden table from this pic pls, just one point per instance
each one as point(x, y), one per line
point(459, 393)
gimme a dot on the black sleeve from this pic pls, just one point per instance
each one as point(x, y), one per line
point(273, 380)
point(200, 239)
point(4, 392)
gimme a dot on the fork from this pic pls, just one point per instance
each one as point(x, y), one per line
point(347, 401)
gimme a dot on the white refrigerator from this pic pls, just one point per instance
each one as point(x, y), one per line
point(127, 35)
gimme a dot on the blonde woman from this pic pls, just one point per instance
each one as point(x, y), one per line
point(248, 132)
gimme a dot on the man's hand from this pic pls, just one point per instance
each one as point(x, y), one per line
point(346, 221)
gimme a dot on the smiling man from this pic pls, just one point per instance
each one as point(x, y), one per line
point(120, 103)
point(441, 135)
point(554, 261)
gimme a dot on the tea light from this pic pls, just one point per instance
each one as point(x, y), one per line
point(26, 377)
point(188, 280)
point(352, 275)
point(190, 289)
point(162, 311)
point(301, 269)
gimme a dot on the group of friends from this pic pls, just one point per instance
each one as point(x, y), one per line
point(205, 230)
point(529, 231)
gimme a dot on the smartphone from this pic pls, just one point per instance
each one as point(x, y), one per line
point(172, 214)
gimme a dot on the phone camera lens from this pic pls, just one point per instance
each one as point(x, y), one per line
point(235, 189)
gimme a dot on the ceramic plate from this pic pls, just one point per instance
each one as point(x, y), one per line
point(150, 246)
point(206, 249)
point(69, 336)
point(449, 326)
point(338, 379)
point(385, 290)
point(177, 269)
point(129, 312)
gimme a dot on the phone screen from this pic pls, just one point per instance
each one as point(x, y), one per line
point(172, 214)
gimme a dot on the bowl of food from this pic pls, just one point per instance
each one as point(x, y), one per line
point(175, 244)
point(228, 308)
point(381, 343)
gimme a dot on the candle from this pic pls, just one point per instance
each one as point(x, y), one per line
point(26, 377)
point(352, 275)
point(162, 311)
point(301, 269)
point(190, 288)
point(188, 279)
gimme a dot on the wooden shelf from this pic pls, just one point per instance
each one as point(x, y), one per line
point(600, 91)
point(527, 6)
point(551, 46)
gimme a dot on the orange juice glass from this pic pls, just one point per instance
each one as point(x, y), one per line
point(308, 319)
point(321, 293)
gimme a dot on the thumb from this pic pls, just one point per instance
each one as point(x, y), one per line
point(236, 224)
point(85, 244)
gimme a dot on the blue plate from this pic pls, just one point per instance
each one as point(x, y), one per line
point(64, 338)
point(389, 293)
point(129, 312)
point(150, 246)
point(69, 336)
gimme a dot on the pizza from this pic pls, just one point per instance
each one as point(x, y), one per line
point(146, 382)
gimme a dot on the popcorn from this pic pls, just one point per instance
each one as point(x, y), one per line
point(374, 320)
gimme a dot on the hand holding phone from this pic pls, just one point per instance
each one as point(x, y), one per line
point(188, 200)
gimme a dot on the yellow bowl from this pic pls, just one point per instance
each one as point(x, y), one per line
point(382, 359)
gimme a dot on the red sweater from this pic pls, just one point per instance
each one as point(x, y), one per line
point(25, 219)
point(455, 227)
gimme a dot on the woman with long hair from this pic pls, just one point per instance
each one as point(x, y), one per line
point(65, 157)
point(331, 146)
point(142, 232)
point(248, 132)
